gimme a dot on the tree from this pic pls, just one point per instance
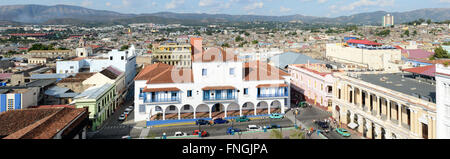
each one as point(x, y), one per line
point(414, 33)
point(247, 34)
point(255, 42)
point(429, 21)
point(237, 39)
point(150, 46)
point(124, 47)
point(226, 45)
point(406, 33)
point(276, 134)
point(440, 53)
point(297, 134)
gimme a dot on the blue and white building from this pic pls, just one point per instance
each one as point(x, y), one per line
point(220, 85)
point(14, 99)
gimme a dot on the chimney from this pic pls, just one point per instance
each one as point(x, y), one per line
point(197, 45)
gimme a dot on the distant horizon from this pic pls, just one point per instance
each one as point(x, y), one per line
point(313, 8)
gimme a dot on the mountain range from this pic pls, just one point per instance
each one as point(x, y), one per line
point(66, 14)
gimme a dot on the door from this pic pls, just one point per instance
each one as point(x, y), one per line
point(424, 131)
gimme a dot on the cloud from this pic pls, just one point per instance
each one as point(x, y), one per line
point(86, 3)
point(444, 1)
point(283, 9)
point(365, 3)
point(254, 6)
point(108, 4)
point(174, 4)
point(204, 3)
point(318, 1)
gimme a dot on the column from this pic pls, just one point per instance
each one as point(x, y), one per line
point(388, 134)
point(360, 98)
point(378, 106)
point(378, 131)
point(254, 112)
point(388, 110)
point(352, 118)
point(210, 111)
point(400, 107)
point(225, 111)
point(179, 114)
point(194, 115)
point(360, 124)
point(268, 111)
point(369, 101)
point(369, 129)
point(164, 113)
point(282, 106)
point(413, 122)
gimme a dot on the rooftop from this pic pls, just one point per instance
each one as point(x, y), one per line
point(41, 123)
point(285, 59)
point(94, 92)
point(403, 84)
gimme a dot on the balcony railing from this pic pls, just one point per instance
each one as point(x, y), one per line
point(272, 95)
point(163, 100)
point(219, 98)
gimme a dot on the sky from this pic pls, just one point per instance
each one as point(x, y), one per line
point(321, 8)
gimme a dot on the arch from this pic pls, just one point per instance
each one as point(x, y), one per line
point(349, 117)
point(202, 111)
point(218, 110)
point(275, 106)
point(262, 108)
point(248, 108)
point(383, 133)
point(158, 113)
point(187, 112)
point(233, 109)
point(171, 112)
point(364, 127)
point(393, 136)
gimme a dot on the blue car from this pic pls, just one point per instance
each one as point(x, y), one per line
point(202, 122)
point(220, 121)
point(273, 126)
point(230, 130)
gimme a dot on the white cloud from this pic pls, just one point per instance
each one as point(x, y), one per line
point(283, 9)
point(174, 4)
point(365, 3)
point(204, 3)
point(444, 1)
point(108, 4)
point(86, 3)
point(254, 5)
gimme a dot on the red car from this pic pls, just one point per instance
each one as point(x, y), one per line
point(204, 133)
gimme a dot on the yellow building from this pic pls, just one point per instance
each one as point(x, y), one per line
point(385, 105)
point(173, 54)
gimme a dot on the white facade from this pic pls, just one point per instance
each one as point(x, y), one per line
point(443, 102)
point(123, 60)
point(213, 75)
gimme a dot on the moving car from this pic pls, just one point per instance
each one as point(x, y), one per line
point(231, 129)
point(127, 111)
point(122, 117)
point(273, 126)
point(276, 116)
point(220, 121)
point(180, 134)
point(203, 133)
point(242, 119)
point(322, 124)
point(342, 132)
point(253, 128)
point(202, 122)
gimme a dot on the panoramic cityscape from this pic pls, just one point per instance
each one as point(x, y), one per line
point(231, 69)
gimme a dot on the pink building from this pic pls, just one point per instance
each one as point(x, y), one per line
point(312, 83)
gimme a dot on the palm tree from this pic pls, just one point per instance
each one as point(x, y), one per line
point(276, 134)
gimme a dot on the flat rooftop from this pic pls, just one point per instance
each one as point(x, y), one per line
point(406, 85)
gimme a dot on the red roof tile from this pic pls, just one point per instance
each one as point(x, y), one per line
point(425, 70)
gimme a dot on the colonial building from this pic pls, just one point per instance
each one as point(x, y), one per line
point(217, 85)
point(314, 82)
point(176, 54)
point(385, 105)
point(367, 54)
point(443, 101)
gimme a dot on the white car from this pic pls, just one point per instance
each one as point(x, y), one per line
point(180, 134)
point(122, 117)
point(130, 107)
point(127, 111)
point(253, 128)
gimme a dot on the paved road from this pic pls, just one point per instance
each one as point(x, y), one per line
point(218, 129)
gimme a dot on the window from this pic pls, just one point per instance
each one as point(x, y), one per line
point(187, 107)
point(231, 71)
point(141, 108)
point(245, 91)
point(158, 109)
point(204, 72)
point(172, 108)
point(189, 93)
point(10, 104)
point(71, 67)
point(110, 58)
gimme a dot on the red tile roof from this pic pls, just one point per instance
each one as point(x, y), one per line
point(42, 123)
point(365, 42)
point(425, 70)
point(164, 73)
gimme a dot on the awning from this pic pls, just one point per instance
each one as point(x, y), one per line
point(169, 89)
point(271, 85)
point(219, 88)
point(352, 125)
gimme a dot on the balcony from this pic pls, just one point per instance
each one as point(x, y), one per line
point(277, 95)
point(219, 98)
point(163, 100)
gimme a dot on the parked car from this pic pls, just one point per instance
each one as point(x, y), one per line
point(322, 124)
point(342, 132)
point(181, 134)
point(202, 122)
point(203, 133)
point(273, 126)
point(253, 128)
point(122, 117)
point(130, 107)
point(276, 116)
point(127, 111)
point(231, 129)
point(220, 121)
point(242, 119)
point(126, 137)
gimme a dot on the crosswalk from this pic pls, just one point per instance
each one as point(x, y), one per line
point(116, 127)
